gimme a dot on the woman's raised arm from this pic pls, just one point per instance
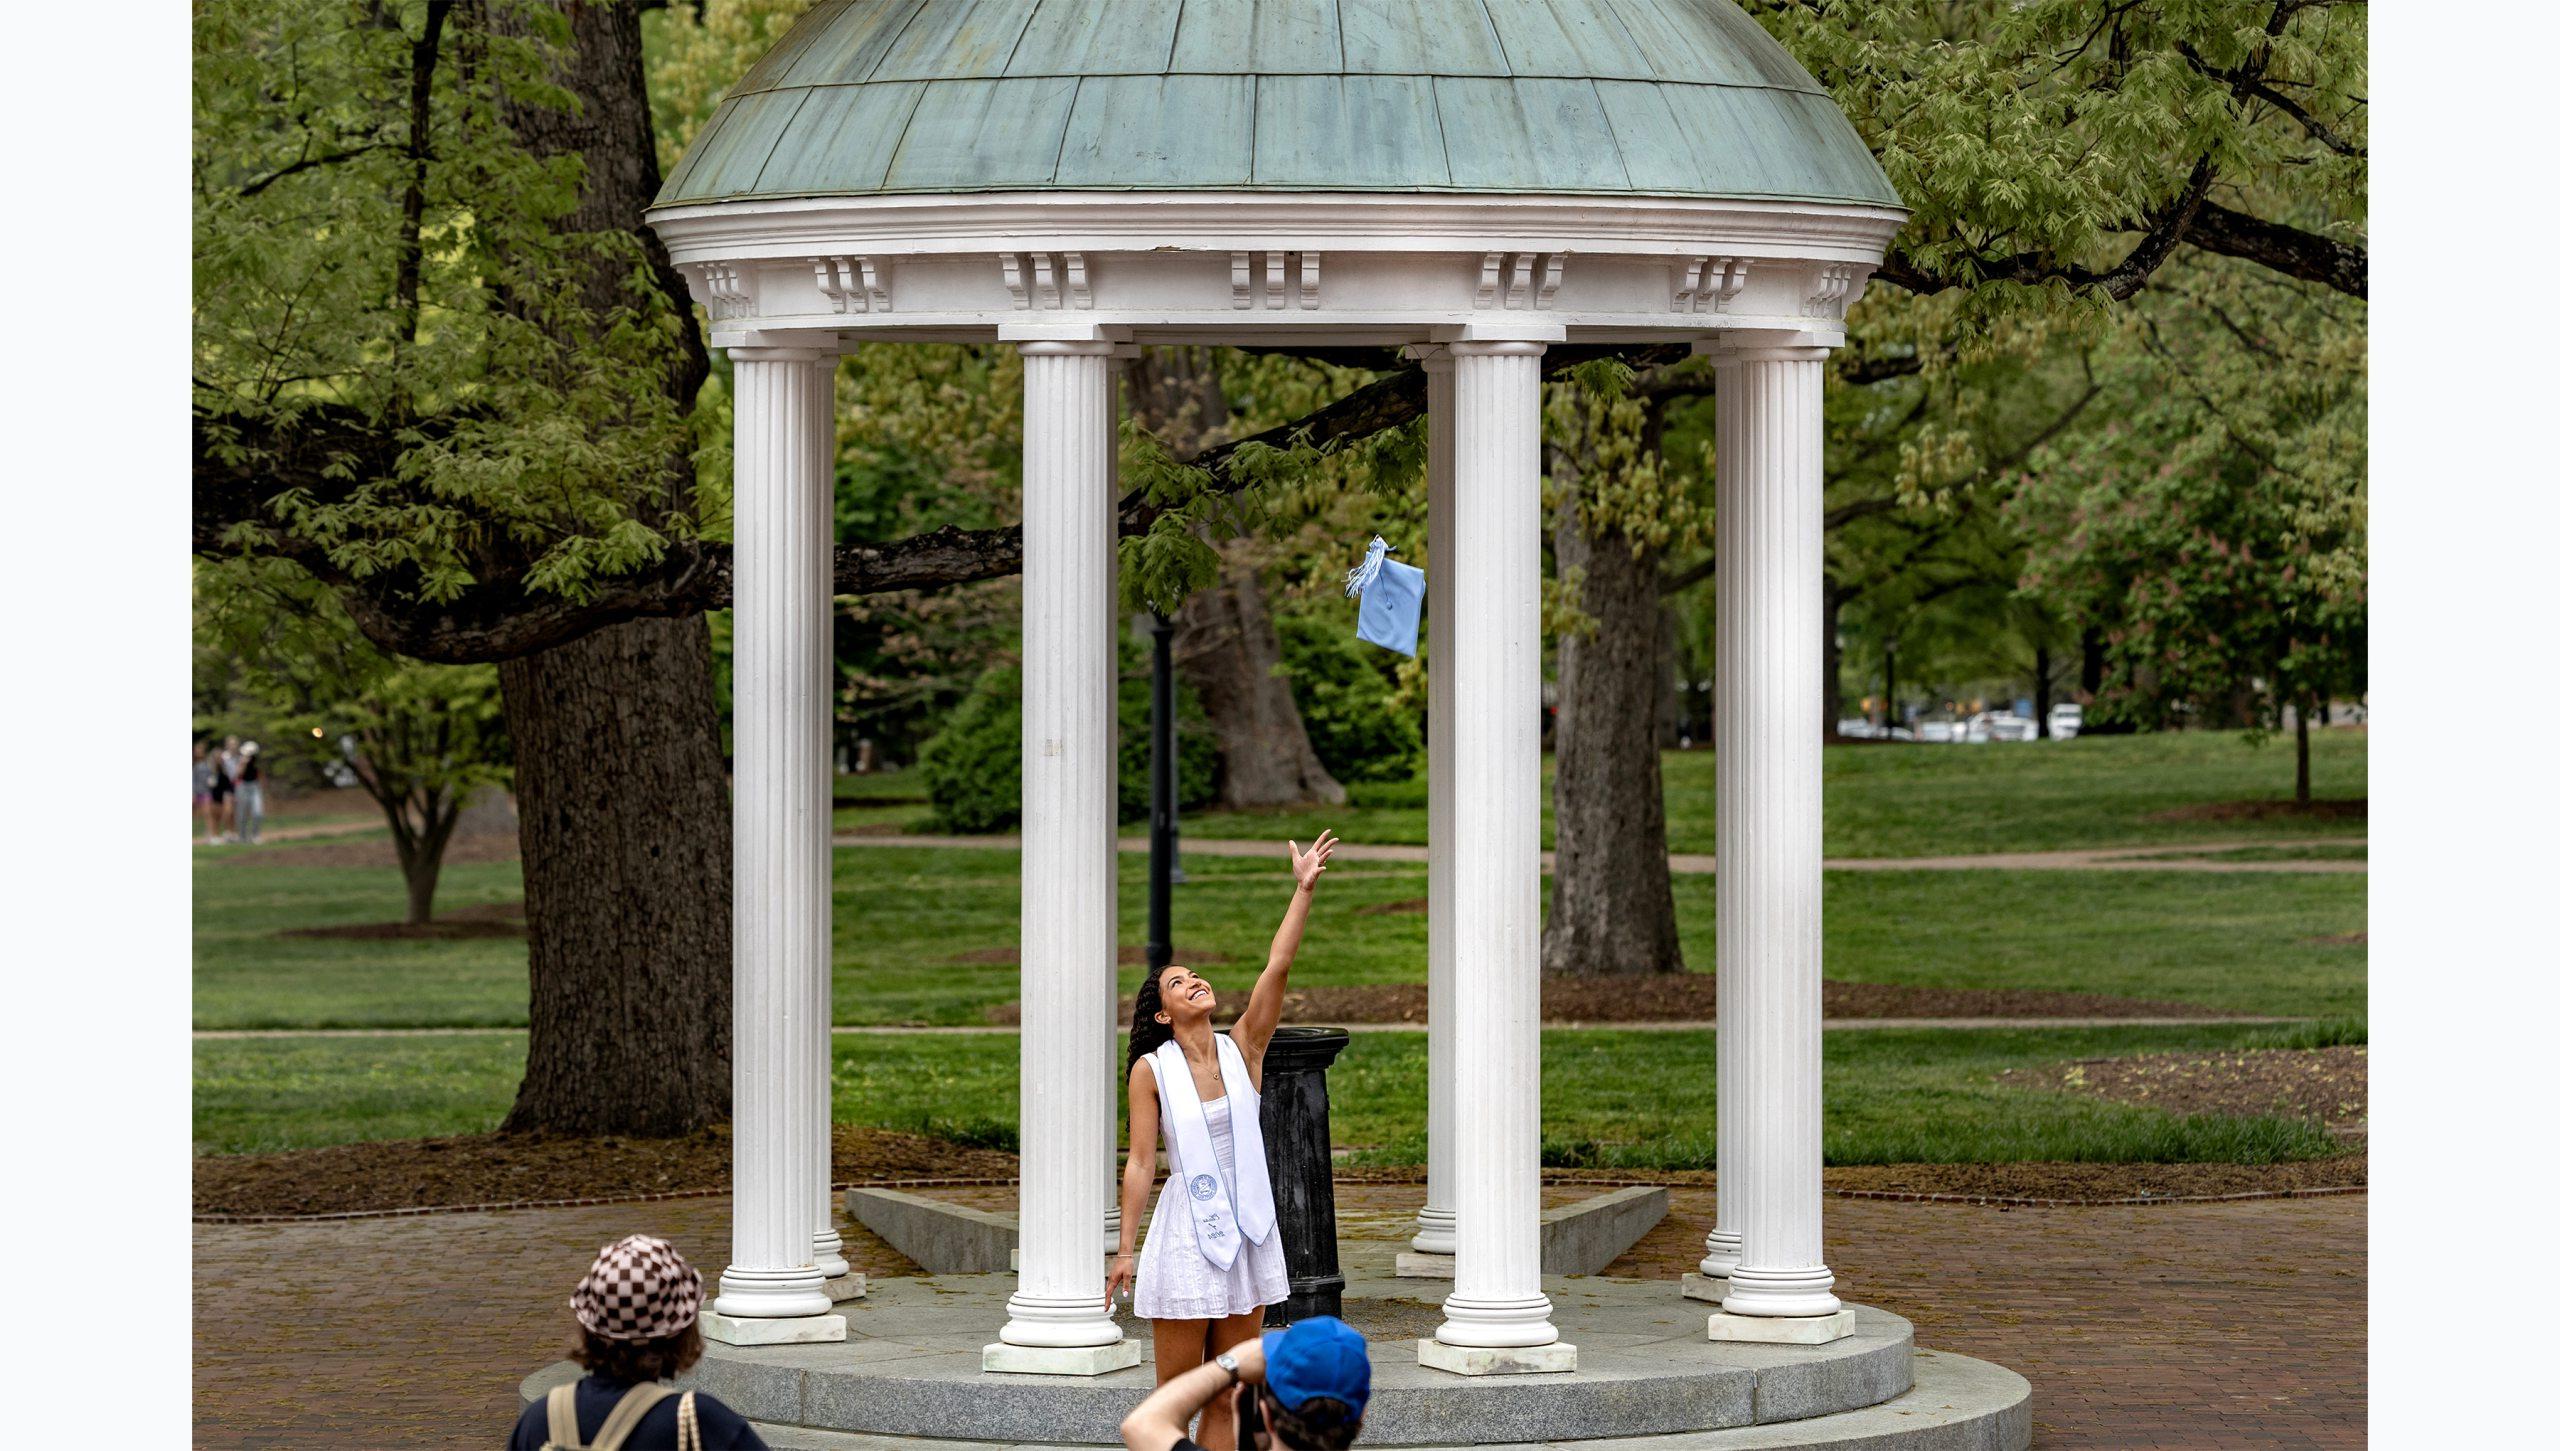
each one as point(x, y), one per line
point(1262, 1013)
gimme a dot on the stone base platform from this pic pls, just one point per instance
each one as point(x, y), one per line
point(909, 1374)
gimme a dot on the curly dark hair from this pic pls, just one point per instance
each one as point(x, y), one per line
point(638, 1362)
point(1146, 1035)
point(1321, 1423)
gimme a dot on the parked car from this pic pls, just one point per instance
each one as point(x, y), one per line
point(1937, 730)
point(2066, 720)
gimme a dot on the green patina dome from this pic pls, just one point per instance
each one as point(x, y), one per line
point(1680, 98)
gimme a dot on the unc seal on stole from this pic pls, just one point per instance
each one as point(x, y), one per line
point(1203, 1186)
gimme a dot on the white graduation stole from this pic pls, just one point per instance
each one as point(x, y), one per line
point(1220, 1211)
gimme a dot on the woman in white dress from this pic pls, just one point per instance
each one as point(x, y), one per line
point(1213, 1257)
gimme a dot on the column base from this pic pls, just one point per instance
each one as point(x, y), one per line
point(1006, 1359)
point(798, 1330)
point(1548, 1359)
point(847, 1286)
point(1784, 1329)
point(1709, 1288)
point(1419, 1265)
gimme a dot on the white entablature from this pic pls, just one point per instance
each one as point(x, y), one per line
point(1351, 269)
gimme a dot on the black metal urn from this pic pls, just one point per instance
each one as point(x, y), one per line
point(1297, 1141)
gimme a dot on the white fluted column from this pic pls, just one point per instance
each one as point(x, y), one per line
point(1059, 1323)
point(1115, 1083)
point(774, 1289)
point(827, 1244)
point(1435, 1229)
point(1498, 1315)
point(1769, 663)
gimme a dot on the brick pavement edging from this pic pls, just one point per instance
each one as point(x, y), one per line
point(1901, 1196)
point(419, 1210)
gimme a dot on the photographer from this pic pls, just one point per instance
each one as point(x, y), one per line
point(1300, 1389)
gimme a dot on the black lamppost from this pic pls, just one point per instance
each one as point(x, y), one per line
point(1889, 721)
point(1164, 825)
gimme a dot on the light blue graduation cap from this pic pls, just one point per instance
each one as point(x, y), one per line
point(1390, 596)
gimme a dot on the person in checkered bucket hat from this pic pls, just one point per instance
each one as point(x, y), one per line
point(635, 1312)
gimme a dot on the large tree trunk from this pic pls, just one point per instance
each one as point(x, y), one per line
point(1611, 909)
point(2301, 756)
point(1666, 677)
point(621, 792)
point(1225, 641)
point(1230, 652)
point(623, 808)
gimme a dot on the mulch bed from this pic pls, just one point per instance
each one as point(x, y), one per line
point(1688, 997)
point(483, 920)
point(2039, 1183)
point(2327, 1084)
point(2346, 809)
point(509, 1168)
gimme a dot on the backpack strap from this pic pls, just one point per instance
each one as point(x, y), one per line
point(635, 1403)
point(562, 1407)
point(688, 1425)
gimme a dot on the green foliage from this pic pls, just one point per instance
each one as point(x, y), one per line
point(972, 767)
point(277, 659)
point(2218, 518)
point(2028, 139)
point(1361, 727)
point(355, 273)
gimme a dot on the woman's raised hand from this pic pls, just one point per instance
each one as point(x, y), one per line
point(1309, 864)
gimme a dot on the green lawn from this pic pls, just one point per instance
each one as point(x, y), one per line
point(2300, 851)
point(1883, 801)
point(1612, 1098)
point(1878, 800)
point(923, 935)
point(926, 936)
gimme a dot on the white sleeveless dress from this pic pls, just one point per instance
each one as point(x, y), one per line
point(1175, 1280)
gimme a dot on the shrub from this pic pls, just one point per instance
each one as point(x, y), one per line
point(973, 766)
point(1362, 729)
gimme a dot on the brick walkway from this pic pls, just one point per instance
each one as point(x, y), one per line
point(2222, 1325)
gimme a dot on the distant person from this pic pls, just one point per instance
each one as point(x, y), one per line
point(1300, 1389)
point(249, 793)
point(205, 768)
point(636, 1314)
point(226, 773)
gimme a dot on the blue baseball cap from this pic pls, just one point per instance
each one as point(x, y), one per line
point(1318, 1357)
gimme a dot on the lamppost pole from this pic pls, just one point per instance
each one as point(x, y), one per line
point(1164, 827)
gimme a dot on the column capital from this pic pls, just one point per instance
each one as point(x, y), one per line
point(1749, 347)
point(795, 352)
point(1104, 335)
point(1068, 348)
point(1497, 348)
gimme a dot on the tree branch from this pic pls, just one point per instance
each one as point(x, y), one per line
point(2279, 248)
point(307, 163)
point(2245, 84)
